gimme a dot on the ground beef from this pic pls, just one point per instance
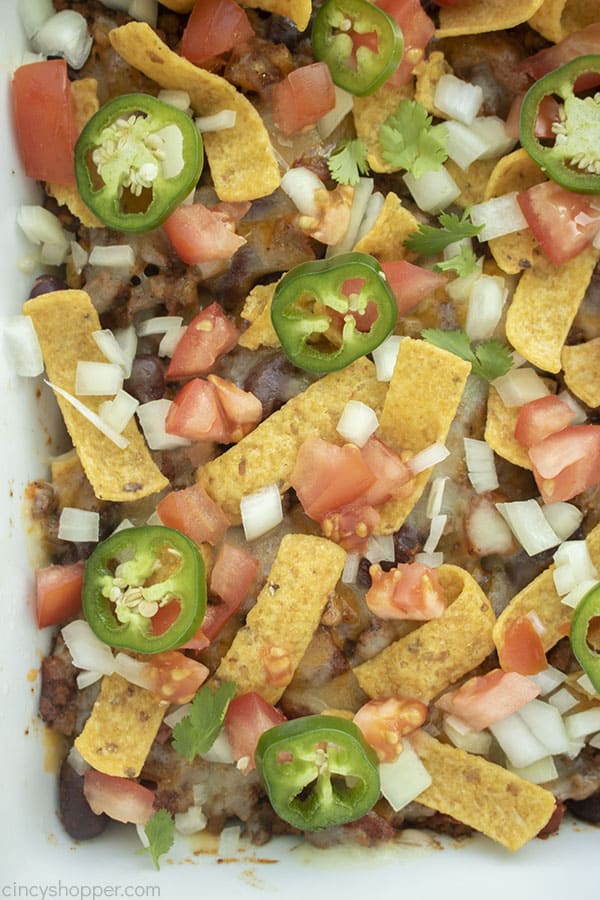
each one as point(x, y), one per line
point(256, 65)
point(58, 692)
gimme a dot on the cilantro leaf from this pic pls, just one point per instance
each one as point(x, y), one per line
point(197, 732)
point(429, 241)
point(160, 831)
point(349, 161)
point(489, 360)
point(464, 263)
point(410, 141)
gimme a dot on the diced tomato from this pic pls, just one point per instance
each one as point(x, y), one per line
point(392, 476)
point(242, 409)
point(208, 336)
point(327, 477)
point(45, 121)
point(214, 27)
point(194, 513)
point(176, 677)
point(417, 29)
point(540, 418)
point(411, 284)
point(351, 526)
point(303, 97)
point(164, 617)
point(58, 593)
point(384, 722)
point(120, 798)
point(563, 222)
point(486, 699)
point(566, 463)
point(197, 414)
point(247, 717)
point(408, 591)
point(547, 115)
point(578, 43)
point(522, 650)
point(198, 235)
point(232, 574)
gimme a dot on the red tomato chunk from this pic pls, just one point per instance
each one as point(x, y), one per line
point(208, 336)
point(58, 593)
point(409, 591)
point(384, 722)
point(566, 463)
point(486, 699)
point(199, 235)
point(194, 513)
point(247, 717)
point(120, 798)
point(562, 222)
point(214, 27)
point(303, 97)
point(540, 418)
point(522, 650)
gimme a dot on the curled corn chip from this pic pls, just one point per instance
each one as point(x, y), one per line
point(472, 182)
point(385, 239)
point(257, 311)
point(297, 10)
point(474, 17)
point(500, 431)
point(427, 74)
point(581, 364)
point(556, 19)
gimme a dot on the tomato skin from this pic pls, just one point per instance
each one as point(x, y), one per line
point(120, 798)
point(327, 477)
point(392, 476)
point(176, 677)
point(548, 113)
point(209, 335)
point(198, 235)
point(232, 575)
point(197, 414)
point(45, 121)
point(522, 650)
point(408, 591)
point(551, 213)
point(58, 593)
point(540, 418)
point(351, 526)
point(194, 513)
point(566, 463)
point(214, 27)
point(417, 29)
point(411, 284)
point(578, 43)
point(247, 717)
point(303, 97)
point(486, 699)
point(384, 722)
point(241, 408)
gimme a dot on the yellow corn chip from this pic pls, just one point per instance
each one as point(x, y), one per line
point(514, 172)
point(257, 311)
point(472, 182)
point(267, 649)
point(427, 74)
point(64, 322)
point(437, 378)
point(369, 115)
point(297, 10)
point(121, 728)
point(385, 239)
point(268, 454)
point(556, 19)
point(179, 6)
point(481, 794)
point(474, 17)
point(500, 431)
point(425, 662)
point(544, 305)
point(241, 159)
point(581, 364)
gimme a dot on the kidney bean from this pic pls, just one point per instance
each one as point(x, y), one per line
point(269, 380)
point(45, 284)
point(147, 379)
point(75, 813)
point(588, 809)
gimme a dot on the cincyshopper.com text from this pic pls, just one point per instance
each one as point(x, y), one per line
point(60, 889)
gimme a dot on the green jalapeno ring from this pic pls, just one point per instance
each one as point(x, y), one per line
point(318, 771)
point(302, 331)
point(587, 609)
point(133, 573)
point(135, 160)
point(577, 134)
point(332, 43)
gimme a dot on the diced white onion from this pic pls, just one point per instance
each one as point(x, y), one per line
point(221, 751)
point(144, 11)
point(141, 829)
point(580, 413)
point(64, 34)
point(177, 715)
point(585, 684)
point(546, 723)
point(574, 566)
point(81, 525)
point(548, 679)
point(457, 98)
point(539, 772)
point(158, 325)
point(576, 594)
point(91, 416)
point(579, 725)
point(528, 524)
point(261, 511)
point(519, 386)
point(460, 288)
point(191, 821)
point(170, 339)
point(499, 216)
point(433, 191)
point(87, 651)
point(436, 530)
point(127, 341)
point(357, 422)
point(481, 465)
point(486, 302)
point(172, 148)
point(479, 742)
point(300, 184)
point(380, 547)
point(123, 525)
point(487, 532)
point(436, 496)
point(110, 347)
point(118, 412)
point(52, 254)
point(200, 793)
point(34, 13)
point(220, 121)
point(87, 678)
point(122, 5)
point(40, 226)
point(360, 201)
point(491, 130)
point(76, 761)
point(433, 560)
point(113, 256)
point(428, 457)
point(385, 357)
point(564, 518)
point(520, 745)
point(79, 257)
point(152, 416)
point(178, 99)
point(97, 379)
point(154, 519)
point(29, 58)
point(563, 700)
point(350, 570)
point(229, 842)
point(404, 779)
point(374, 207)
point(464, 145)
point(594, 741)
point(330, 121)
point(134, 670)
point(455, 248)
point(23, 346)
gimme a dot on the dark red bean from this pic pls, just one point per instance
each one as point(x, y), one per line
point(147, 379)
point(269, 380)
point(78, 819)
point(588, 809)
point(45, 284)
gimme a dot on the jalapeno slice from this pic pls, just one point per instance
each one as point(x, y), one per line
point(361, 44)
point(587, 609)
point(136, 160)
point(573, 160)
point(133, 574)
point(329, 312)
point(318, 771)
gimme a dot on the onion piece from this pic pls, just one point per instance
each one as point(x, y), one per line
point(113, 256)
point(127, 340)
point(23, 346)
point(491, 130)
point(64, 34)
point(460, 288)
point(117, 413)
point(178, 99)
point(433, 560)
point(539, 772)
point(357, 422)
point(457, 98)
point(486, 303)
point(191, 821)
point(87, 651)
point(464, 145)
point(563, 700)
point(380, 547)
point(79, 257)
point(385, 357)
point(134, 670)
point(76, 761)
point(300, 184)
point(360, 201)
point(404, 779)
point(487, 532)
point(529, 525)
point(79, 525)
point(520, 386)
point(87, 678)
point(144, 11)
point(520, 745)
point(548, 679)
point(436, 530)
point(92, 417)
point(261, 511)
point(152, 416)
point(220, 121)
point(564, 518)
point(580, 413)
point(481, 465)
point(433, 191)
point(42, 227)
point(110, 347)
point(579, 725)
point(177, 715)
point(585, 684)
point(229, 842)
point(158, 325)
point(344, 102)
point(170, 339)
point(123, 524)
point(577, 594)
point(574, 568)
point(428, 458)
point(594, 741)
point(436, 496)
point(478, 742)
point(33, 14)
point(546, 723)
point(499, 216)
point(350, 570)
point(220, 751)
point(97, 379)
point(374, 207)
